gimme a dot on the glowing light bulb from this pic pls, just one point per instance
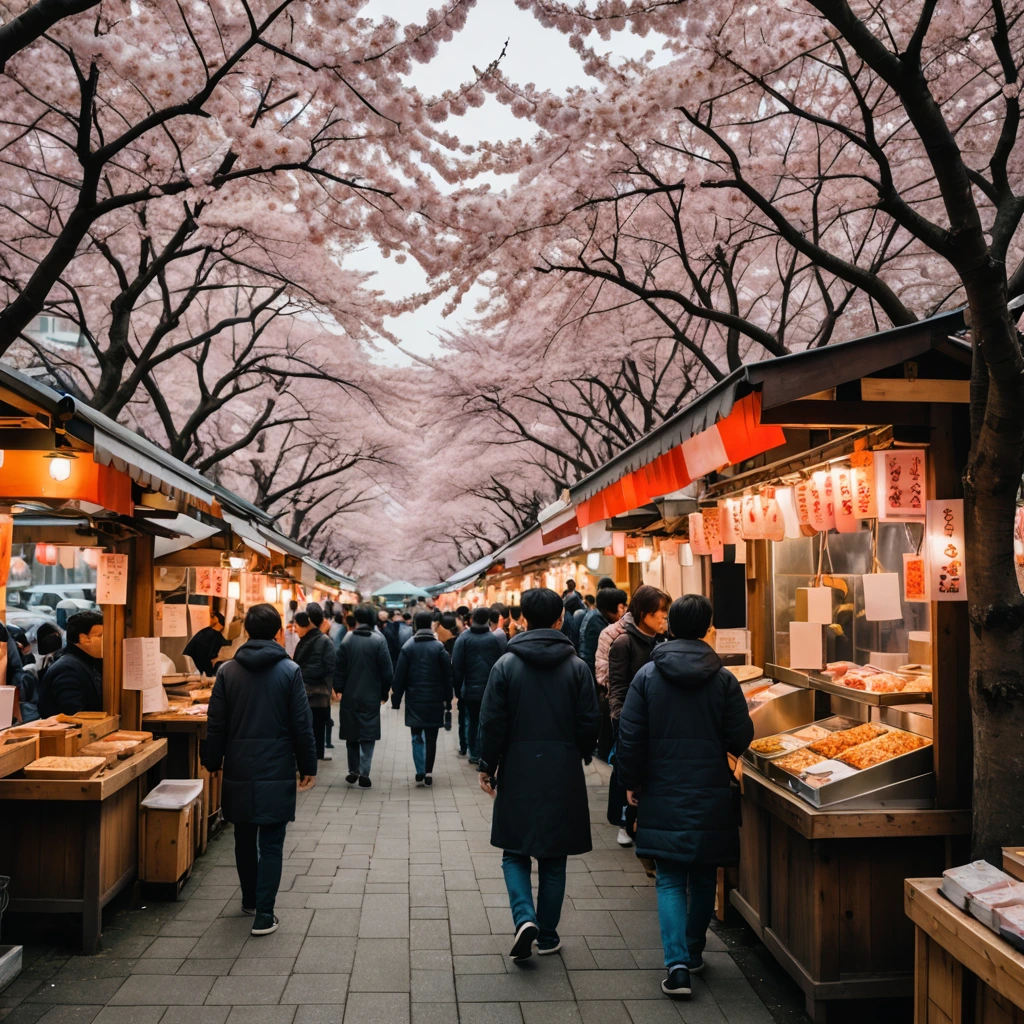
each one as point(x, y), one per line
point(594, 560)
point(234, 589)
point(644, 554)
point(60, 469)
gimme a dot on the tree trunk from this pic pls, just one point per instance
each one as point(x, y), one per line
point(991, 482)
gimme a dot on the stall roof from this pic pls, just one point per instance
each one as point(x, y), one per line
point(780, 380)
point(400, 588)
point(334, 575)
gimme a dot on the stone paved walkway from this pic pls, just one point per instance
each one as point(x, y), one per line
point(393, 911)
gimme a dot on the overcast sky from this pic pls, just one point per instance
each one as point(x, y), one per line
point(535, 54)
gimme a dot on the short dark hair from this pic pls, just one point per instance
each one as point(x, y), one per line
point(501, 609)
point(339, 617)
point(406, 616)
point(448, 621)
point(80, 624)
point(350, 621)
point(609, 598)
point(315, 613)
point(302, 619)
point(570, 584)
point(262, 622)
point(494, 615)
point(690, 616)
point(541, 607)
point(590, 599)
point(514, 612)
point(463, 610)
point(481, 616)
point(366, 615)
point(48, 638)
point(605, 581)
point(219, 616)
point(647, 601)
point(293, 605)
point(423, 620)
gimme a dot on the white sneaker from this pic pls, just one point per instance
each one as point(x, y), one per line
point(624, 838)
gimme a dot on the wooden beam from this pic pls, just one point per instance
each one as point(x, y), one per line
point(898, 389)
point(823, 415)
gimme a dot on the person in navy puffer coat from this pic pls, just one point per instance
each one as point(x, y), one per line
point(683, 714)
point(474, 655)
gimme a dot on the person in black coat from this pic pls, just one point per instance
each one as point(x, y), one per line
point(362, 675)
point(74, 681)
point(629, 652)
point(683, 715)
point(261, 731)
point(316, 657)
point(475, 653)
point(205, 646)
point(538, 724)
point(424, 678)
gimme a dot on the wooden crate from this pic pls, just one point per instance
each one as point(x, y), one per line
point(16, 752)
point(167, 842)
point(59, 767)
point(56, 739)
point(95, 724)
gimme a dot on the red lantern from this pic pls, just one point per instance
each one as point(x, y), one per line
point(46, 554)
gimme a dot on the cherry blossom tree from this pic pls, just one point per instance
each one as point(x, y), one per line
point(795, 175)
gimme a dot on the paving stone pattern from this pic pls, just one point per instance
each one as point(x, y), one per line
point(393, 911)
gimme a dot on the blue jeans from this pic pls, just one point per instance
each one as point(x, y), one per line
point(360, 756)
point(471, 714)
point(684, 932)
point(550, 893)
point(259, 850)
point(463, 727)
point(424, 747)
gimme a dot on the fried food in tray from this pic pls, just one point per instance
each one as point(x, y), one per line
point(832, 746)
point(769, 745)
point(799, 761)
point(884, 748)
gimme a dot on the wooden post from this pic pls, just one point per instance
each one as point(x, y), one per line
point(142, 620)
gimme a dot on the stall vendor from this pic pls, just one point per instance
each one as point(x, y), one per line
point(204, 648)
point(74, 682)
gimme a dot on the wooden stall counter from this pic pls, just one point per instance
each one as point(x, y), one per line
point(822, 888)
point(71, 846)
point(962, 971)
point(184, 735)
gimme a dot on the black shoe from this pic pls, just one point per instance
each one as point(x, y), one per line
point(696, 965)
point(364, 782)
point(427, 781)
point(329, 746)
point(677, 984)
point(265, 924)
point(474, 760)
point(462, 753)
point(522, 948)
point(351, 778)
point(419, 780)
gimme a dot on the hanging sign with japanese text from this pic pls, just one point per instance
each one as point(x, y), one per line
point(698, 542)
point(112, 578)
point(822, 509)
point(732, 520)
point(947, 567)
point(903, 483)
point(844, 499)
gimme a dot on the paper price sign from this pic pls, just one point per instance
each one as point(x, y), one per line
point(947, 566)
point(112, 579)
point(904, 482)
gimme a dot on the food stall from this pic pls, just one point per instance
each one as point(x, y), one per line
point(969, 943)
point(815, 498)
point(109, 508)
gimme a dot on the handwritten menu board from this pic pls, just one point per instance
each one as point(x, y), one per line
point(865, 504)
point(212, 581)
point(141, 662)
point(254, 585)
point(171, 620)
point(903, 483)
point(112, 578)
point(198, 616)
point(947, 566)
point(712, 518)
point(698, 542)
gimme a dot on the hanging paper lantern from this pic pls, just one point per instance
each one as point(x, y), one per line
point(786, 497)
point(865, 505)
point(731, 518)
point(619, 545)
point(698, 543)
point(46, 554)
point(843, 494)
point(91, 557)
point(802, 500)
point(774, 525)
point(823, 516)
point(753, 517)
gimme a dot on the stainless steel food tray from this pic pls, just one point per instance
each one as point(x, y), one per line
point(761, 761)
point(787, 675)
point(878, 700)
point(867, 780)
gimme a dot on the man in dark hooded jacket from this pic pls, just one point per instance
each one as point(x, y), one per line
point(684, 713)
point(424, 678)
point(362, 675)
point(261, 731)
point(474, 655)
point(538, 724)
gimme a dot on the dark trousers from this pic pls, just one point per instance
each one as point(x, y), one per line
point(330, 728)
point(321, 716)
point(259, 850)
point(463, 727)
point(424, 747)
point(471, 713)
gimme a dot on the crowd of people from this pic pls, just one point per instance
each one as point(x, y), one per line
point(540, 689)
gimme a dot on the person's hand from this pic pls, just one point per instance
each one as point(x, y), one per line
point(485, 784)
point(306, 782)
point(632, 798)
